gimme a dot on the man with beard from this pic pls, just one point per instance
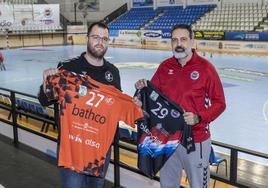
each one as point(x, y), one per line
point(90, 63)
point(193, 83)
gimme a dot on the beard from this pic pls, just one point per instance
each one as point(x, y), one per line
point(95, 53)
point(180, 52)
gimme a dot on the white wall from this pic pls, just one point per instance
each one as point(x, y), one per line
point(223, 1)
point(201, 2)
point(106, 7)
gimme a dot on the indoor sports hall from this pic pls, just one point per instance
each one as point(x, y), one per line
point(37, 35)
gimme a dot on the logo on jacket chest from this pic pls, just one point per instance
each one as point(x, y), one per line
point(170, 71)
point(109, 76)
point(194, 75)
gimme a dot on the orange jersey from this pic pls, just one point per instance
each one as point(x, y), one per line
point(89, 113)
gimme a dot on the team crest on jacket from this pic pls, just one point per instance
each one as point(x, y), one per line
point(194, 75)
point(170, 71)
point(109, 76)
point(82, 90)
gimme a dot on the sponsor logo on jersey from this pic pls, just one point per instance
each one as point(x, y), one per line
point(88, 114)
point(82, 90)
point(159, 126)
point(109, 100)
point(174, 113)
point(109, 76)
point(151, 138)
point(79, 139)
point(154, 96)
point(85, 127)
point(194, 75)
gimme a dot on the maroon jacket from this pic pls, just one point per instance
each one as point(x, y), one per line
point(196, 87)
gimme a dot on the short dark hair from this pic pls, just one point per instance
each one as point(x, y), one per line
point(184, 26)
point(99, 24)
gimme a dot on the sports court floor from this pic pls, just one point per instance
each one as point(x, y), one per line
point(245, 81)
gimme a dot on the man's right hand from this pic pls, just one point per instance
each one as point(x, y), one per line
point(139, 85)
point(46, 73)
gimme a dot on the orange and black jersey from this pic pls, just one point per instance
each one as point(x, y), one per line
point(107, 74)
point(89, 114)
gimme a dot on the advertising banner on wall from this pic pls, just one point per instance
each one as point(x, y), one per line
point(114, 33)
point(136, 38)
point(23, 14)
point(140, 33)
point(247, 36)
point(74, 29)
point(76, 34)
point(209, 35)
point(6, 13)
point(47, 14)
point(143, 3)
point(29, 15)
point(166, 33)
point(208, 45)
point(233, 46)
point(152, 34)
point(6, 16)
point(130, 34)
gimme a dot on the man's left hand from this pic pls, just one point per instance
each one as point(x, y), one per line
point(191, 118)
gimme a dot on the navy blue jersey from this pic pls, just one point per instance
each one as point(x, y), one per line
point(160, 131)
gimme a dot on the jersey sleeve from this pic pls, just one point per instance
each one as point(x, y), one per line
point(52, 87)
point(42, 97)
point(131, 113)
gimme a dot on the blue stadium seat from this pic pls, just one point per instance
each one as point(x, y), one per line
point(178, 15)
point(216, 161)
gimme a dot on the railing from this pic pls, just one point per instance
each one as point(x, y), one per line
point(115, 14)
point(234, 150)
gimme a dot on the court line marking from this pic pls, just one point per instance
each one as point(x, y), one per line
point(265, 111)
point(133, 65)
point(244, 71)
point(20, 80)
point(237, 77)
point(108, 57)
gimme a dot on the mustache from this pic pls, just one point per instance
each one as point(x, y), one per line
point(180, 49)
point(99, 46)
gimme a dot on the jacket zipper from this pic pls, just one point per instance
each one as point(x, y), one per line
point(201, 156)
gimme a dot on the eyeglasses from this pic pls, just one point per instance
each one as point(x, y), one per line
point(97, 38)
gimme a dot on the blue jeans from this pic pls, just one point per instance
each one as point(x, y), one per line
point(72, 179)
